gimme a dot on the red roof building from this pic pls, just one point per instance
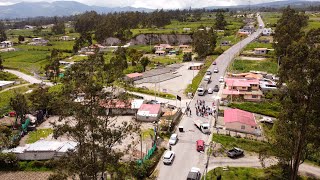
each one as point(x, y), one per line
point(240, 121)
point(248, 89)
point(149, 112)
point(134, 76)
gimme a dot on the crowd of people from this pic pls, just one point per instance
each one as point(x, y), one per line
point(201, 109)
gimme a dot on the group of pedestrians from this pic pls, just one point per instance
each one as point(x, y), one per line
point(188, 110)
point(202, 109)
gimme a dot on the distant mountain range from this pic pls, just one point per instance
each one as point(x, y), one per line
point(66, 8)
point(57, 8)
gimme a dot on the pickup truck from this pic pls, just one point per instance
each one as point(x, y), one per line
point(235, 152)
point(203, 126)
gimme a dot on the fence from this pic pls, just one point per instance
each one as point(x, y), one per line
point(149, 154)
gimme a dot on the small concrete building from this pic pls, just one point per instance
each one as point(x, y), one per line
point(6, 44)
point(196, 66)
point(6, 84)
point(42, 150)
point(259, 51)
point(65, 38)
point(149, 112)
point(160, 53)
point(225, 43)
point(241, 121)
point(267, 31)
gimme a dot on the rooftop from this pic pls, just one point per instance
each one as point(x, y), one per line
point(149, 109)
point(237, 115)
point(241, 82)
point(133, 75)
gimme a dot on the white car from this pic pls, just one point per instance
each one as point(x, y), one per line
point(210, 91)
point(168, 157)
point(221, 79)
point(207, 78)
point(173, 139)
point(216, 70)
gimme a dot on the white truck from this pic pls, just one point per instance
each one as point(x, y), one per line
point(203, 126)
point(202, 89)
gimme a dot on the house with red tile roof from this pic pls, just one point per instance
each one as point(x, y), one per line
point(247, 89)
point(121, 107)
point(241, 121)
point(134, 76)
point(149, 112)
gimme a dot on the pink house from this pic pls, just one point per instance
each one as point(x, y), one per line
point(149, 112)
point(240, 121)
point(248, 89)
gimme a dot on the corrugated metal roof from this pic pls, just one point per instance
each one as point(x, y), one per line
point(237, 115)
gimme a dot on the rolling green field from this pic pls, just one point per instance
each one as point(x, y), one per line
point(61, 45)
point(25, 61)
point(270, 18)
point(167, 60)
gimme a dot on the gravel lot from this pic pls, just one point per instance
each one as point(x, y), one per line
point(177, 84)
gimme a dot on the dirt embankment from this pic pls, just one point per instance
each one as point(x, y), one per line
point(146, 39)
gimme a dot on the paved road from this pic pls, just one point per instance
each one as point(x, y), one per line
point(253, 161)
point(186, 154)
point(27, 78)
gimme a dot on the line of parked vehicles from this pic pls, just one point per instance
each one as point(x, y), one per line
point(207, 79)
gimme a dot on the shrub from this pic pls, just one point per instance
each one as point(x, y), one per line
point(218, 51)
point(8, 161)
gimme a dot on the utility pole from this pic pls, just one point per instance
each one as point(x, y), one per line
point(207, 163)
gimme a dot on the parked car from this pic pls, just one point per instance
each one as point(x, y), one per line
point(153, 102)
point(216, 70)
point(173, 139)
point(214, 63)
point(216, 88)
point(208, 72)
point(168, 157)
point(194, 174)
point(210, 91)
point(235, 152)
point(221, 79)
point(207, 78)
point(200, 145)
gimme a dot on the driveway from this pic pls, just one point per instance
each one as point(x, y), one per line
point(186, 154)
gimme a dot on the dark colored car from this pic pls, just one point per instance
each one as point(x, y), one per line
point(214, 63)
point(194, 174)
point(216, 88)
point(235, 152)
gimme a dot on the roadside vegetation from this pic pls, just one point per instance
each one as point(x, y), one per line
point(5, 76)
point(198, 78)
point(6, 96)
point(267, 108)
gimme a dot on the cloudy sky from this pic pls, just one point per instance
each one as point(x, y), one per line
point(154, 4)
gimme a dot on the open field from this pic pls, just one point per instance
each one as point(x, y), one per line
point(253, 45)
point(26, 61)
point(240, 66)
point(61, 45)
point(38, 134)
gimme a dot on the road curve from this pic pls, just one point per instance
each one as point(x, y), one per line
point(27, 78)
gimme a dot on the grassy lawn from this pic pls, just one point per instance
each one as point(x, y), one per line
point(147, 134)
point(245, 144)
point(239, 173)
point(38, 134)
point(167, 59)
point(268, 65)
point(270, 18)
point(6, 96)
point(312, 24)
point(253, 45)
point(151, 92)
point(265, 108)
point(198, 78)
point(145, 48)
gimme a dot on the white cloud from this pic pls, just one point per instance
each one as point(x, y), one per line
point(155, 4)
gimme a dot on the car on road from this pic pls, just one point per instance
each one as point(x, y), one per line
point(201, 91)
point(221, 79)
point(173, 139)
point(153, 102)
point(168, 157)
point(216, 88)
point(194, 174)
point(210, 91)
point(208, 72)
point(200, 145)
point(235, 152)
point(214, 63)
point(215, 70)
point(207, 78)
